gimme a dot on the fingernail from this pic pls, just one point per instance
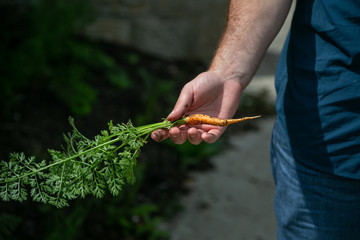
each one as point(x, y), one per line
point(156, 136)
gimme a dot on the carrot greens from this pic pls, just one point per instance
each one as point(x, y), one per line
point(84, 166)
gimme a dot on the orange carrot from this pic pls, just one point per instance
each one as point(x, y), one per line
point(196, 119)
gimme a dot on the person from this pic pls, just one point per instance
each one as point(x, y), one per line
point(315, 146)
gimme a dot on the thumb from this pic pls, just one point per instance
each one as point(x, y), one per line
point(182, 105)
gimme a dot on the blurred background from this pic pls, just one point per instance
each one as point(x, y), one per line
point(117, 60)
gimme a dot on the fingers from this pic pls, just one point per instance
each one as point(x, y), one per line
point(194, 136)
point(211, 136)
point(178, 135)
point(160, 135)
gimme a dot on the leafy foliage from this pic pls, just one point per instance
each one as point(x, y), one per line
point(83, 167)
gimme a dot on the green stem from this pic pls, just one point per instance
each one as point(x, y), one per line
point(146, 129)
point(34, 171)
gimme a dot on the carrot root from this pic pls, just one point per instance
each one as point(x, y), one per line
point(197, 119)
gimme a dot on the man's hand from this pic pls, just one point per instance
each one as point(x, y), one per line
point(209, 93)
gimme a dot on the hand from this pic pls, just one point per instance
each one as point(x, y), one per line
point(209, 93)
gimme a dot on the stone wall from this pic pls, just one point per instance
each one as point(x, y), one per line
point(170, 29)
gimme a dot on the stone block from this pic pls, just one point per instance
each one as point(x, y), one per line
point(166, 8)
point(172, 29)
point(132, 3)
point(208, 27)
point(128, 3)
point(117, 9)
point(110, 29)
point(164, 38)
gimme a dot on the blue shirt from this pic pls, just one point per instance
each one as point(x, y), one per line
point(318, 86)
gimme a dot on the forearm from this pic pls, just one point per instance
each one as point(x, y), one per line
point(251, 27)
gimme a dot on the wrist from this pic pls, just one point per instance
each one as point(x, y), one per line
point(239, 77)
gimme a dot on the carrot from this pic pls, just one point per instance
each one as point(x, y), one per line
point(196, 119)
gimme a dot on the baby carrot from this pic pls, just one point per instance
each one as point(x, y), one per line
point(196, 119)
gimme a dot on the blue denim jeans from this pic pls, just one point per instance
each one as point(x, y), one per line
point(309, 204)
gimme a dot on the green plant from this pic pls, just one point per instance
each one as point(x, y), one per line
point(141, 220)
point(41, 47)
point(65, 222)
point(83, 167)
